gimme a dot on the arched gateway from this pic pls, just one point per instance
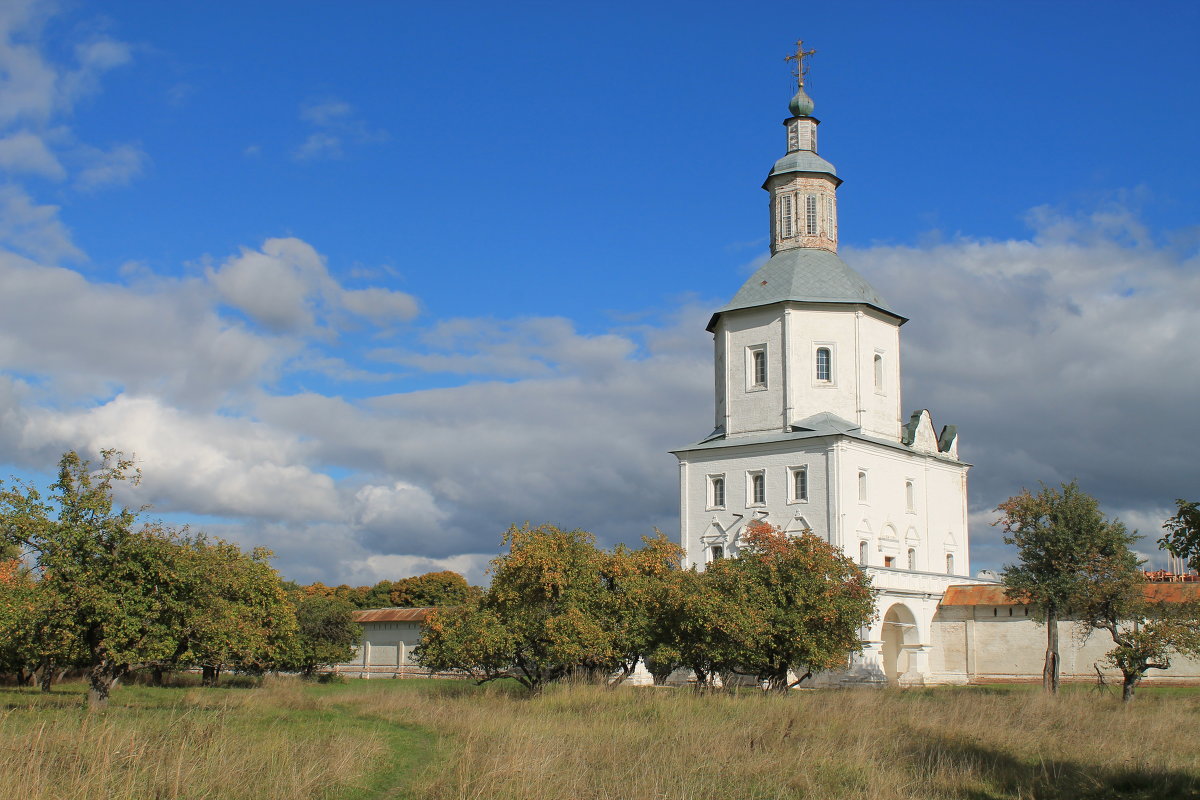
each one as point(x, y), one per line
point(899, 637)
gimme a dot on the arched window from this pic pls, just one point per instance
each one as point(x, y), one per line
point(758, 489)
point(824, 364)
point(862, 486)
point(949, 563)
point(716, 552)
point(912, 558)
point(862, 553)
point(910, 496)
point(878, 372)
point(718, 492)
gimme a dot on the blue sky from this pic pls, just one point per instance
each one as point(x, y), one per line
point(368, 282)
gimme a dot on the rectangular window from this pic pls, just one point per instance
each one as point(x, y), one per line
point(810, 215)
point(756, 367)
point(793, 137)
point(716, 491)
point(785, 216)
point(824, 364)
point(758, 489)
point(830, 225)
point(799, 484)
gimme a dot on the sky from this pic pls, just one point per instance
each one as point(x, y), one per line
point(365, 283)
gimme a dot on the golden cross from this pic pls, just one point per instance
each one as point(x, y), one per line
point(801, 58)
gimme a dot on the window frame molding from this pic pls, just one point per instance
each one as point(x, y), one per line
point(863, 483)
point(710, 495)
point(751, 367)
point(751, 474)
point(879, 372)
point(793, 496)
point(816, 381)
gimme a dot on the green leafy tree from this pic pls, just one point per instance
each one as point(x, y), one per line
point(1183, 533)
point(542, 618)
point(1065, 550)
point(325, 634)
point(432, 590)
point(1146, 633)
point(810, 599)
point(107, 575)
point(709, 624)
point(229, 609)
point(637, 585)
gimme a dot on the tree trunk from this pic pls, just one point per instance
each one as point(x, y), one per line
point(101, 678)
point(24, 678)
point(1128, 687)
point(208, 675)
point(1050, 670)
point(46, 675)
point(156, 675)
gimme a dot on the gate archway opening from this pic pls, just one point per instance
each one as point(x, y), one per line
point(899, 636)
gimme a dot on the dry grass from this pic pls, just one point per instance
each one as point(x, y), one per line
point(191, 744)
point(581, 742)
point(363, 739)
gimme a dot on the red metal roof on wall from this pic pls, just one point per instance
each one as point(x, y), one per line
point(391, 615)
point(993, 595)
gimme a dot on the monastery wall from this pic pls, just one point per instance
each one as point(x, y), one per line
point(986, 644)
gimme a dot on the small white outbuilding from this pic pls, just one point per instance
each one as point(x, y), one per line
point(389, 636)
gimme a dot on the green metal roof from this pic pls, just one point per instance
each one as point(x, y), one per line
point(805, 275)
point(802, 161)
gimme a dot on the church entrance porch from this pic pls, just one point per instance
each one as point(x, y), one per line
point(902, 654)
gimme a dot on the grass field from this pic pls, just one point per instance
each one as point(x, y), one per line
point(450, 740)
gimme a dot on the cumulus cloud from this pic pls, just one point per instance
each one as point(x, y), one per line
point(286, 286)
point(34, 228)
point(26, 153)
point(1067, 354)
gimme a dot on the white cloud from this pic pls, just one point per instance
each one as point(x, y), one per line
point(115, 167)
point(336, 124)
point(380, 306)
point(34, 229)
point(319, 145)
point(1066, 355)
point(26, 153)
point(286, 286)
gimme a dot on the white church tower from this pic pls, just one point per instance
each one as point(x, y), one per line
point(809, 432)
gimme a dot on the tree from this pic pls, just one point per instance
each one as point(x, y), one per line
point(543, 617)
point(1183, 533)
point(107, 575)
point(1064, 546)
point(229, 608)
point(811, 600)
point(1146, 633)
point(325, 634)
point(636, 586)
point(433, 590)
